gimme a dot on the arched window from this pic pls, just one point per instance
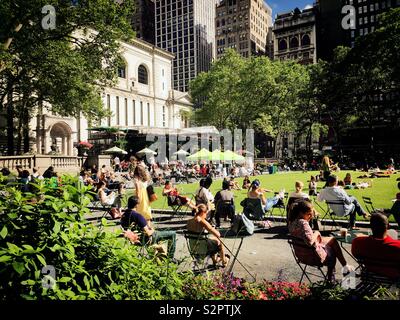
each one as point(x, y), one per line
point(305, 41)
point(282, 45)
point(294, 42)
point(142, 75)
point(121, 71)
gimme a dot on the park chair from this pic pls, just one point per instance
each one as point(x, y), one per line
point(197, 244)
point(369, 205)
point(225, 209)
point(306, 257)
point(373, 275)
point(253, 209)
point(335, 208)
point(176, 206)
point(281, 205)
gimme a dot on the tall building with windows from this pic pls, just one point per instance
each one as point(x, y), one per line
point(143, 20)
point(295, 36)
point(187, 29)
point(367, 16)
point(242, 25)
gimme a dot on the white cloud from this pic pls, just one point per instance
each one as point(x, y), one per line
point(309, 6)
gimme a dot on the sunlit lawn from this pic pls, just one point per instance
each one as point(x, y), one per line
point(382, 192)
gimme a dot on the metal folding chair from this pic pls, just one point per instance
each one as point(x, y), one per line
point(198, 249)
point(333, 215)
point(253, 209)
point(369, 205)
point(372, 278)
point(306, 256)
point(281, 205)
point(176, 207)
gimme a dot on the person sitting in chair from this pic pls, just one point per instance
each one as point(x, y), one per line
point(199, 225)
point(351, 205)
point(224, 203)
point(131, 218)
point(327, 248)
point(176, 199)
point(379, 246)
point(255, 192)
point(109, 200)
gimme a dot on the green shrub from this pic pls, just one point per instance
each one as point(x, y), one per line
point(48, 228)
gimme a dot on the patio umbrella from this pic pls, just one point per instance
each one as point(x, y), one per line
point(232, 156)
point(181, 153)
point(146, 151)
point(217, 155)
point(203, 154)
point(115, 150)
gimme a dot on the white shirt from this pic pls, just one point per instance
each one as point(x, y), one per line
point(335, 194)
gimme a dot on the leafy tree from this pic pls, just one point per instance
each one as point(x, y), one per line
point(61, 69)
point(217, 92)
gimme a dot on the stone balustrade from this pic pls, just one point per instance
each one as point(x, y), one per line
point(63, 164)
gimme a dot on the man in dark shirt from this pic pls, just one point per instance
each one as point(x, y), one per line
point(224, 203)
point(132, 219)
point(380, 247)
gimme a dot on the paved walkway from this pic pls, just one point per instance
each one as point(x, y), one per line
point(266, 254)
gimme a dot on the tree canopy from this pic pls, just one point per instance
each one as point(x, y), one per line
point(57, 67)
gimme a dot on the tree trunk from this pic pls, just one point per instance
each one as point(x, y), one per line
point(10, 124)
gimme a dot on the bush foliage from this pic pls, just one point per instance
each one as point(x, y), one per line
point(48, 228)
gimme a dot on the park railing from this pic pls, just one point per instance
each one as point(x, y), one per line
point(42, 162)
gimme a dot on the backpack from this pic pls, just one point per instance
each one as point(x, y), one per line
point(241, 225)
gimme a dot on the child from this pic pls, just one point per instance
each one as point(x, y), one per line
point(312, 187)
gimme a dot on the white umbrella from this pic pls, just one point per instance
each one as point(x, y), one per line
point(146, 151)
point(115, 150)
point(181, 153)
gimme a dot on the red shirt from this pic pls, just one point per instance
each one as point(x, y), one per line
point(379, 249)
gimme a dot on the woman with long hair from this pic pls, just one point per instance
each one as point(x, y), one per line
point(326, 169)
point(327, 248)
point(141, 179)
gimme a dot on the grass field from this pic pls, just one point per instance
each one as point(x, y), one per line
point(382, 192)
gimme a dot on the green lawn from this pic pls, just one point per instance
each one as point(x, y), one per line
point(382, 192)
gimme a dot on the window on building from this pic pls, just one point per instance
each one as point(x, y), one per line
point(148, 114)
point(117, 109)
point(294, 42)
point(122, 71)
point(134, 111)
point(109, 109)
point(163, 117)
point(305, 41)
point(126, 111)
point(282, 44)
point(143, 75)
point(141, 113)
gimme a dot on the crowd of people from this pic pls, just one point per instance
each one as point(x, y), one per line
point(208, 209)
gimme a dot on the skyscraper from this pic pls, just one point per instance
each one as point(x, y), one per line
point(187, 29)
point(367, 15)
point(143, 20)
point(243, 25)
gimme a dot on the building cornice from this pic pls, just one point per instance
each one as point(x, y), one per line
point(148, 47)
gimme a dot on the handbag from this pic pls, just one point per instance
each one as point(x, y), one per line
point(151, 194)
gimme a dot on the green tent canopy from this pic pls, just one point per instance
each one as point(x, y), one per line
point(232, 156)
point(203, 154)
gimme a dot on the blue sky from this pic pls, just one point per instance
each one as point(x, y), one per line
point(279, 6)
